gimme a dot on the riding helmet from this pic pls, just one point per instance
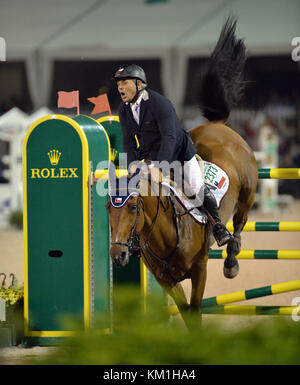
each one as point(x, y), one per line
point(131, 71)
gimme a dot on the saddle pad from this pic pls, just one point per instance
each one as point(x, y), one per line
point(218, 183)
point(217, 180)
point(198, 216)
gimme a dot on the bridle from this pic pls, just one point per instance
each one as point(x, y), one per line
point(133, 233)
point(144, 248)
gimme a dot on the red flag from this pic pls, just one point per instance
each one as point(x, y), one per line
point(68, 100)
point(101, 104)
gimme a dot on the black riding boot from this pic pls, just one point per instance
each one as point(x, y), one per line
point(220, 232)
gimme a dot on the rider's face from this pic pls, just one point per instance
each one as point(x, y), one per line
point(127, 89)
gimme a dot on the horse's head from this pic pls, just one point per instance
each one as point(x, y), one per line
point(126, 219)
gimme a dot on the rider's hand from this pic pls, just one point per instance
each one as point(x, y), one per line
point(133, 169)
point(156, 174)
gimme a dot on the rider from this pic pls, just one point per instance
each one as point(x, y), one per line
point(162, 137)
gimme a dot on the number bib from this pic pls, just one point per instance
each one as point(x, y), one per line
point(216, 179)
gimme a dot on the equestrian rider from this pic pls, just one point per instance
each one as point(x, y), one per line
point(162, 137)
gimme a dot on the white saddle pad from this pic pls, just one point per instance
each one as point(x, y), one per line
point(186, 204)
point(217, 181)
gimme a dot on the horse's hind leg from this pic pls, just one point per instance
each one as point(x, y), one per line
point(245, 202)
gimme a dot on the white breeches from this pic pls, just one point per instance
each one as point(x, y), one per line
point(193, 174)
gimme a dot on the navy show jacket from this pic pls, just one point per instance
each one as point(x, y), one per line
point(160, 133)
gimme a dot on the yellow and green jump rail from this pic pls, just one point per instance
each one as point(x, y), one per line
point(252, 310)
point(263, 173)
point(257, 254)
point(268, 226)
point(252, 293)
point(244, 310)
point(279, 173)
point(219, 304)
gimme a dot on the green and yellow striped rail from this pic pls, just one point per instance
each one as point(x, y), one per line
point(244, 310)
point(252, 293)
point(267, 226)
point(263, 173)
point(279, 173)
point(103, 173)
point(252, 310)
point(257, 254)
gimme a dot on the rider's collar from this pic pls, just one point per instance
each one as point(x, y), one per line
point(144, 95)
point(138, 101)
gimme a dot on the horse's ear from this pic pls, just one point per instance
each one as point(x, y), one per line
point(112, 176)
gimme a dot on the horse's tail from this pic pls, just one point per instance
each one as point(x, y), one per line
point(222, 82)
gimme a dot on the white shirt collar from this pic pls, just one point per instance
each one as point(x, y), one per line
point(144, 95)
point(138, 101)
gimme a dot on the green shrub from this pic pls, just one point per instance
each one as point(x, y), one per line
point(148, 339)
point(16, 219)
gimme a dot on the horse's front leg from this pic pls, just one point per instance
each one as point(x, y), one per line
point(177, 293)
point(198, 278)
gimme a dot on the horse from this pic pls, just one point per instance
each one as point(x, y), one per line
point(173, 246)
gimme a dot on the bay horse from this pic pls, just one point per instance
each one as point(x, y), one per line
point(173, 246)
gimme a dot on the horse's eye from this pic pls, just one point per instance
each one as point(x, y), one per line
point(133, 208)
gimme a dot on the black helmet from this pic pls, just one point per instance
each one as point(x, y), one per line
point(131, 71)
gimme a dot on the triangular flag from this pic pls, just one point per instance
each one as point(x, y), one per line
point(101, 104)
point(68, 100)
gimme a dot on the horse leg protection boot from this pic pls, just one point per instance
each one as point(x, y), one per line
point(221, 234)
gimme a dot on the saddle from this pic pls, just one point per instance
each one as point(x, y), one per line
point(214, 177)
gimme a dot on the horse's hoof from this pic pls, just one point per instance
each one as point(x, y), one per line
point(231, 272)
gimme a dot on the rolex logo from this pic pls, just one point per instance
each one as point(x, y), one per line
point(54, 156)
point(53, 173)
point(113, 154)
